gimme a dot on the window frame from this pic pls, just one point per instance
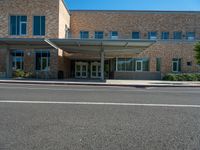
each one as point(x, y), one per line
point(190, 38)
point(150, 35)
point(48, 60)
point(136, 65)
point(178, 65)
point(98, 34)
point(163, 34)
point(175, 35)
point(138, 35)
point(114, 37)
point(84, 33)
point(15, 57)
point(18, 26)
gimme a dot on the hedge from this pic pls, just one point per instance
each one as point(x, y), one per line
point(182, 77)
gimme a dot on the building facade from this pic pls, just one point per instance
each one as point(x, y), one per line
point(43, 38)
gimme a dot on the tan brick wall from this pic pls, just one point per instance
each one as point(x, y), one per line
point(57, 17)
point(169, 50)
point(48, 8)
point(125, 22)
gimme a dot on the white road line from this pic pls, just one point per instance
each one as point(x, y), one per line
point(100, 103)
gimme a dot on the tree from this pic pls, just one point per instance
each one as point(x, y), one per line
point(197, 50)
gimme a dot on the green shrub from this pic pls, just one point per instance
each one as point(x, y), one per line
point(170, 77)
point(182, 77)
point(22, 74)
point(18, 74)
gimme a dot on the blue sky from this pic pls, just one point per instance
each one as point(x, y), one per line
point(134, 4)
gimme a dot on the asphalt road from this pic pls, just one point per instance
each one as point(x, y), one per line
point(44, 117)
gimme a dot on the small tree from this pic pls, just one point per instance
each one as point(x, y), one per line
point(197, 50)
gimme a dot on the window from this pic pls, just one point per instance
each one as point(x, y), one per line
point(158, 64)
point(114, 35)
point(176, 65)
point(18, 60)
point(135, 35)
point(139, 65)
point(189, 63)
point(42, 60)
point(66, 32)
point(84, 34)
point(152, 35)
point(165, 36)
point(18, 25)
point(99, 35)
point(39, 25)
point(190, 35)
point(132, 64)
point(177, 35)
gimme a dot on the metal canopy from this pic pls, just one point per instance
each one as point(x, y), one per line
point(24, 43)
point(79, 45)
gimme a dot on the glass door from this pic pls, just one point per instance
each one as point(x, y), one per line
point(139, 65)
point(81, 70)
point(95, 70)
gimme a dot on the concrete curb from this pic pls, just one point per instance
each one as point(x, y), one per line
point(97, 84)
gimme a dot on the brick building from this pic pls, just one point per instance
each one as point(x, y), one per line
point(46, 39)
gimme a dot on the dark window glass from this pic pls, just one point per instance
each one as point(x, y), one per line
point(158, 64)
point(145, 64)
point(84, 34)
point(189, 63)
point(36, 28)
point(39, 25)
point(177, 35)
point(18, 60)
point(99, 35)
point(114, 35)
point(135, 35)
point(190, 35)
point(42, 59)
point(13, 25)
point(18, 25)
point(165, 35)
point(43, 25)
point(176, 65)
point(152, 35)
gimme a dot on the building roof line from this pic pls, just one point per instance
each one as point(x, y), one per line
point(135, 11)
point(66, 7)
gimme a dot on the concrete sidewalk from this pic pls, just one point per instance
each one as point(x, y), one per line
point(128, 83)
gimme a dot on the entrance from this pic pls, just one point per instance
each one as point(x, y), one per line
point(81, 70)
point(139, 65)
point(95, 70)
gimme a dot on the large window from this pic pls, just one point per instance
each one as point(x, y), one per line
point(135, 35)
point(17, 60)
point(39, 25)
point(176, 65)
point(99, 35)
point(177, 35)
point(152, 35)
point(42, 60)
point(18, 25)
point(84, 34)
point(114, 35)
point(132, 64)
point(165, 36)
point(190, 35)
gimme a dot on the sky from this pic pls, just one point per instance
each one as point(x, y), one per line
point(189, 5)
